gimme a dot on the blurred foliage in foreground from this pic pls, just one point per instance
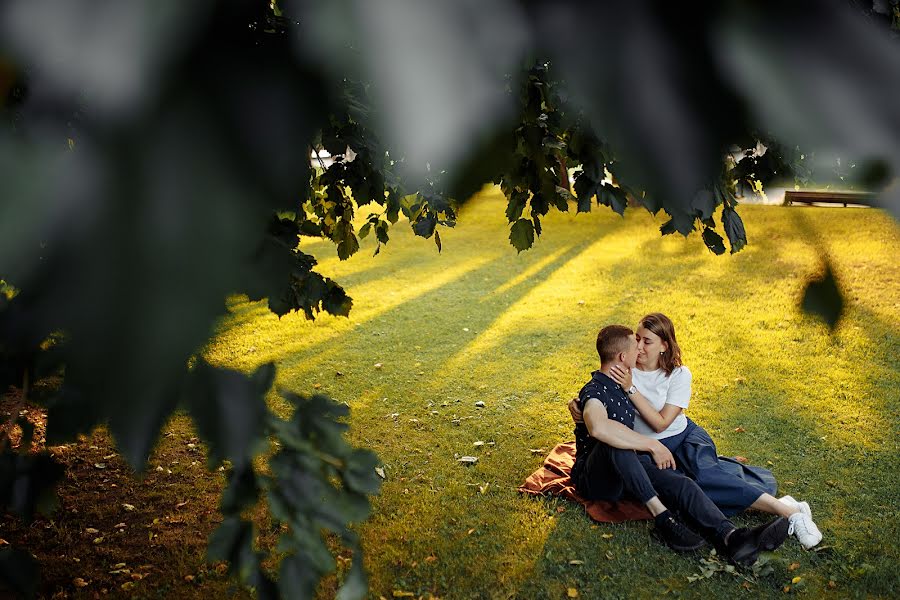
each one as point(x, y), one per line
point(154, 158)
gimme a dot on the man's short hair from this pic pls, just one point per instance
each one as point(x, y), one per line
point(612, 340)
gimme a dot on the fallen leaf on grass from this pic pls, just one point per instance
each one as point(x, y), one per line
point(572, 593)
point(609, 555)
point(796, 580)
point(380, 471)
point(92, 531)
point(98, 540)
point(739, 430)
point(560, 509)
point(127, 585)
point(479, 404)
point(576, 562)
point(128, 507)
point(182, 504)
point(402, 594)
point(484, 488)
point(794, 566)
point(100, 465)
point(478, 444)
point(786, 589)
point(79, 582)
point(742, 459)
point(606, 536)
point(831, 584)
point(467, 460)
point(3, 542)
point(378, 365)
point(189, 578)
point(431, 558)
point(536, 450)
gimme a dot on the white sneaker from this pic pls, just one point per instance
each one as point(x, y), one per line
point(802, 506)
point(802, 527)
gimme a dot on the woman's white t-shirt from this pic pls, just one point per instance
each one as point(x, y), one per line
point(660, 390)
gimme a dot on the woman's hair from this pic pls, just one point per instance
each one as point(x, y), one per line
point(662, 326)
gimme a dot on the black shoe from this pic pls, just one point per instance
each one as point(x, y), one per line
point(676, 534)
point(744, 545)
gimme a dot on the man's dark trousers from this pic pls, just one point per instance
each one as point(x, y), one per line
point(612, 473)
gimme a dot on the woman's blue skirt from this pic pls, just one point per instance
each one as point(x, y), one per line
point(731, 485)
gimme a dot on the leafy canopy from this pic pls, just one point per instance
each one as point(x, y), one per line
point(155, 157)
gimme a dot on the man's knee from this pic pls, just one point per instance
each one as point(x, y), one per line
point(672, 482)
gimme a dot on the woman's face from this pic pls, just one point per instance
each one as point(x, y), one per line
point(650, 346)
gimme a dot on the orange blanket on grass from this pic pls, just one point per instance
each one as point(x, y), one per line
point(553, 478)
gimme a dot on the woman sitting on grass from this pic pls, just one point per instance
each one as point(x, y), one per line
point(660, 389)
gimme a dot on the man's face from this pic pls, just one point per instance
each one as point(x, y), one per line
point(630, 356)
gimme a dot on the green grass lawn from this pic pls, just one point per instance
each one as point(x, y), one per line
point(480, 323)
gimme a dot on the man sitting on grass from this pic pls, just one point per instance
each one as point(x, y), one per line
point(613, 461)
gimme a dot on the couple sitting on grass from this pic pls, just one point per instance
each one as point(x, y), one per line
point(633, 439)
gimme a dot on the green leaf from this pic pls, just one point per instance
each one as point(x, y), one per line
point(232, 541)
point(27, 432)
point(515, 205)
point(242, 490)
point(28, 482)
point(229, 409)
point(437, 240)
point(381, 232)
point(562, 198)
point(704, 203)
point(364, 230)
point(336, 301)
point(521, 235)
point(355, 585)
point(734, 229)
point(19, 571)
point(713, 241)
point(668, 227)
point(424, 226)
point(347, 246)
point(585, 189)
point(614, 197)
point(393, 205)
point(823, 297)
point(296, 580)
point(311, 229)
point(360, 475)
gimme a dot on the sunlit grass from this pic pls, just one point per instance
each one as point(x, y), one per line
point(481, 323)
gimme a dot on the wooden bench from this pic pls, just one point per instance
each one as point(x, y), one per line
point(827, 197)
